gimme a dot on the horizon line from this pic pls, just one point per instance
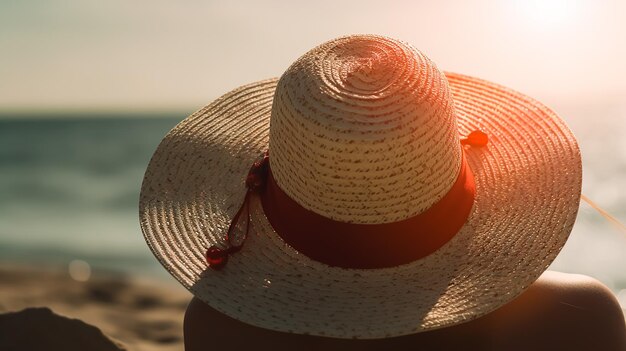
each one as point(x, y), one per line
point(35, 114)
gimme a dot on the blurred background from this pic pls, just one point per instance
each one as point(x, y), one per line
point(89, 88)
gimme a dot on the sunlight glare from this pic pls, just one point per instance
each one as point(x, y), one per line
point(548, 13)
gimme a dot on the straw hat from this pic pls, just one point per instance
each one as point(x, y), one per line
point(396, 198)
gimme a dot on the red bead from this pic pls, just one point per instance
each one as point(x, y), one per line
point(476, 138)
point(216, 257)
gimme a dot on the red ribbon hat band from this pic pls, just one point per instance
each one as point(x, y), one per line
point(353, 245)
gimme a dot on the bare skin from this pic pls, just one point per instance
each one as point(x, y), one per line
point(558, 312)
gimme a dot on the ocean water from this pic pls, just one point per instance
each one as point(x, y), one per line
point(69, 190)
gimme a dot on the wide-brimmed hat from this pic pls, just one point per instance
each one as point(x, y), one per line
point(364, 194)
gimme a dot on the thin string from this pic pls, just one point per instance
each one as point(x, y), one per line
point(604, 213)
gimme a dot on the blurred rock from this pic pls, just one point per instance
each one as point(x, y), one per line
point(41, 329)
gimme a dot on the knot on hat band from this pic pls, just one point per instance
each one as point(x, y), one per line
point(352, 245)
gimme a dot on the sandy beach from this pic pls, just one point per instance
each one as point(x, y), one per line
point(136, 314)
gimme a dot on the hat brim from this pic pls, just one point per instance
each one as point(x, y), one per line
point(528, 183)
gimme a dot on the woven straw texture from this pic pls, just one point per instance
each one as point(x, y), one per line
point(528, 182)
point(363, 131)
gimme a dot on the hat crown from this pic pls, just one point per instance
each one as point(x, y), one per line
point(363, 130)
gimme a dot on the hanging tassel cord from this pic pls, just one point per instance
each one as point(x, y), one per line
point(217, 257)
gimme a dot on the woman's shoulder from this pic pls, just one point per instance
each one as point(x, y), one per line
point(557, 312)
point(560, 311)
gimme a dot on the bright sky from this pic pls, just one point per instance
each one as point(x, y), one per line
point(147, 55)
